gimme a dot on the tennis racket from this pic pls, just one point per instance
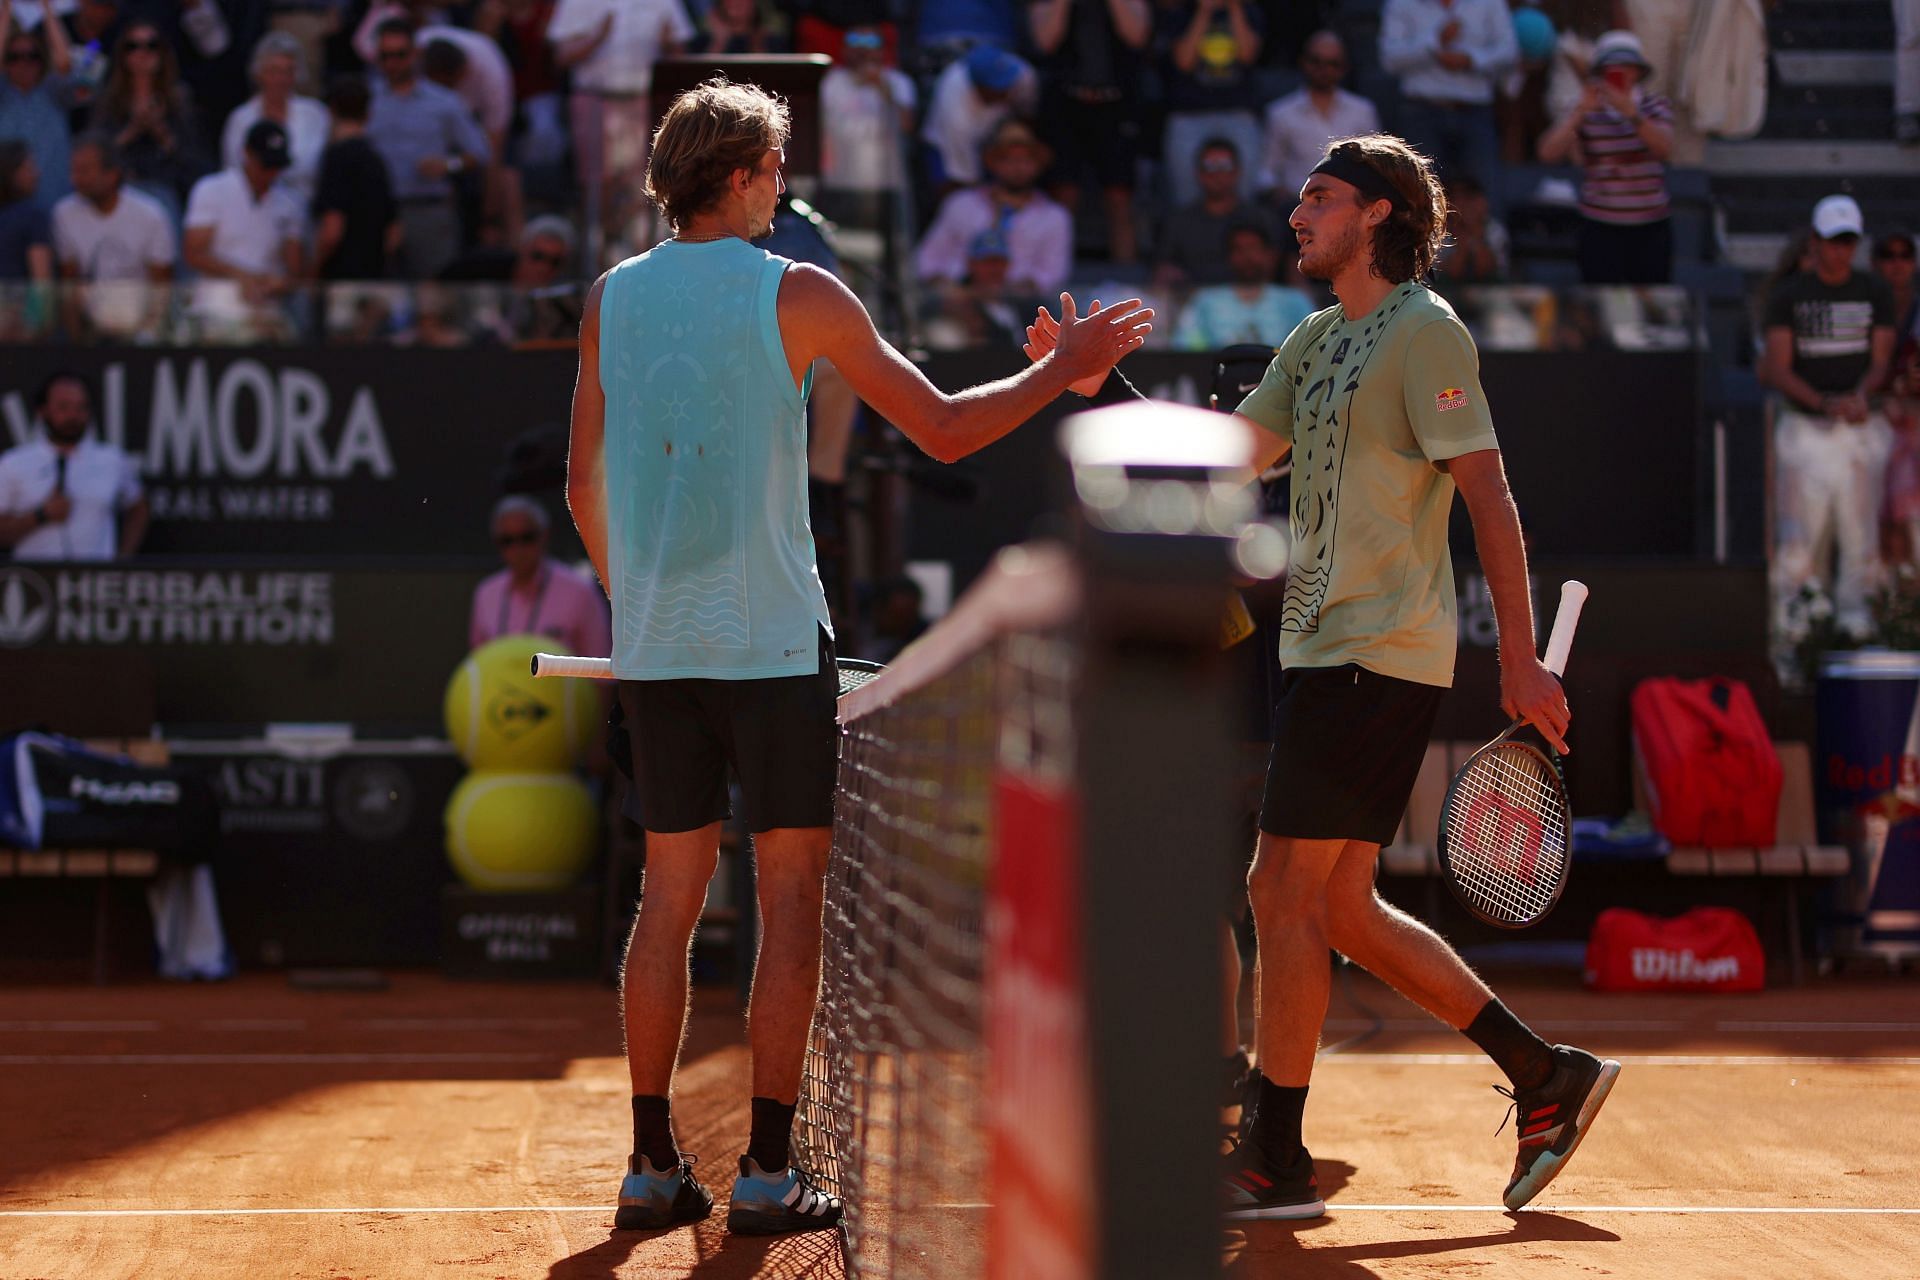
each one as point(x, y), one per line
point(1505, 836)
point(854, 672)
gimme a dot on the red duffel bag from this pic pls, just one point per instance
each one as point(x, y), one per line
point(1707, 949)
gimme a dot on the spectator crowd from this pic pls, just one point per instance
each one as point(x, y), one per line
point(997, 147)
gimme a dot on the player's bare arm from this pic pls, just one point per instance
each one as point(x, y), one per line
point(821, 319)
point(586, 462)
point(1528, 691)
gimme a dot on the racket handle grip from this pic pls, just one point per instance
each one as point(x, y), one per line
point(560, 664)
point(1572, 596)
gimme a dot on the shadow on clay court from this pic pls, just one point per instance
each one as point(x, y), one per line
point(813, 1256)
point(1274, 1248)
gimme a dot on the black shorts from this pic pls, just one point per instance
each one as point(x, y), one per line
point(1347, 748)
point(779, 736)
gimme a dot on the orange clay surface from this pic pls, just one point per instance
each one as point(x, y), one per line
point(460, 1130)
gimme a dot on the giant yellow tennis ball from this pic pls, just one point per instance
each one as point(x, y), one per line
point(521, 832)
point(500, 717)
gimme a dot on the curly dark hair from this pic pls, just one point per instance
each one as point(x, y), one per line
point(1407, 243)
point(710, 132)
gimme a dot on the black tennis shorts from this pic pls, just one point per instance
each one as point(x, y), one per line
point(1347, 747)
point(778, 735)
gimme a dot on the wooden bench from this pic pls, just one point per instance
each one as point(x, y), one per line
point(1796, 857)
point(102, 866)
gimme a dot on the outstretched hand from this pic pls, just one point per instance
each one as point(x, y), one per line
point(1044, 333)
point(1090, 345)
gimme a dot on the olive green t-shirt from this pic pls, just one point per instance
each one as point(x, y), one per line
point(1373, 408)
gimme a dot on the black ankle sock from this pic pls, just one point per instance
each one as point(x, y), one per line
point(653, 1131)
point(1276, 1120)
point(772, 1127)
point(1524, 1056)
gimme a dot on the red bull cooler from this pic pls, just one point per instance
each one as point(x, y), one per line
point(1867, 787)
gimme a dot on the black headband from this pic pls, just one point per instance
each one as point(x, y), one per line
point(1367, 179)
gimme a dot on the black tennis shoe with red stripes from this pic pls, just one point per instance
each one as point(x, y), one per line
point(769, 1204)
point(1555, 1117)
point(1256, 1188)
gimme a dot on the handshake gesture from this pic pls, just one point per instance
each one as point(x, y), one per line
point(1088, 346)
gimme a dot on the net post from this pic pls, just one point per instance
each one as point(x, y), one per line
point(1161, 496)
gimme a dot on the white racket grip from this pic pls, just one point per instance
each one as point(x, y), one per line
point(560, 664)
point(1573, 595)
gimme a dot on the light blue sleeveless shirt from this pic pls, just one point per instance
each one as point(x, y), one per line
point(708, 542)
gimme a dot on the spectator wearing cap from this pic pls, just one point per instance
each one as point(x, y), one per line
point(356, 219)
point(1620, 134)
point(1300, 125)
point(116, 247)
point(1254, 307)
point(246, 237)
point(1208, 50)
point(1450, 56)
point(1037, 230)
point(1829, 348)
point(278, 71)
point(1191, 247)
point(981, 311)
point(866, 115)
point(1095, 53)
point(427, 137)
point(971, 97)
point(36, 94)
point(610, 46)
point(534, 594)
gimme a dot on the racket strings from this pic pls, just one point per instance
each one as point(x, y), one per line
point(1506, 833)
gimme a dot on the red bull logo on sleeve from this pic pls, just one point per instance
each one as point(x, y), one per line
point(1451, 398)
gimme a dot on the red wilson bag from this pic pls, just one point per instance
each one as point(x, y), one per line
point(1707, 949)
point(1713, 777)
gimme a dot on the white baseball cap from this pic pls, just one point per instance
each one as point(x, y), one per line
point(1838, 216)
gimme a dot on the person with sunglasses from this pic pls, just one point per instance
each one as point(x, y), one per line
point(36, 95)
point(1300, 125)
point(534, 594)
point(1829, 347)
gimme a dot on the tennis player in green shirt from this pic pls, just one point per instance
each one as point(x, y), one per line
point(1378, 399)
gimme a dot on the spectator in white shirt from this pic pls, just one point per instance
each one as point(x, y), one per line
point(114, 244)
point(1450, 55)
point(1300, 125)
point(67, 495)
point(610, 46)
point(1038, 232)
point(866, 112)
point(246, 237)
point(969, 100)
point(277, 72)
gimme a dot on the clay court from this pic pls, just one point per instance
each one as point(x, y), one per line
point(459, 1130)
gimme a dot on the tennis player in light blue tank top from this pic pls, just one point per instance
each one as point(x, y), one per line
point(711, 557)
point(687, 478)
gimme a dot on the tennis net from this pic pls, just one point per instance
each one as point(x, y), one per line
point(892, 1108)
point(1020, 952)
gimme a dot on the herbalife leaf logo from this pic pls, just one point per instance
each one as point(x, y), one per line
point(26, 606)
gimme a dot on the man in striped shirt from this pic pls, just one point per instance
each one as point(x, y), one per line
point(1621, 134)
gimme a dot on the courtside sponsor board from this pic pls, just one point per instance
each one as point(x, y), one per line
point(114, 606)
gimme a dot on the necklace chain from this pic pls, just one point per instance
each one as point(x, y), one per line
point(724, 235)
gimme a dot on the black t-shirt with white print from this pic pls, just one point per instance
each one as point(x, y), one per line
point(1832, 326)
